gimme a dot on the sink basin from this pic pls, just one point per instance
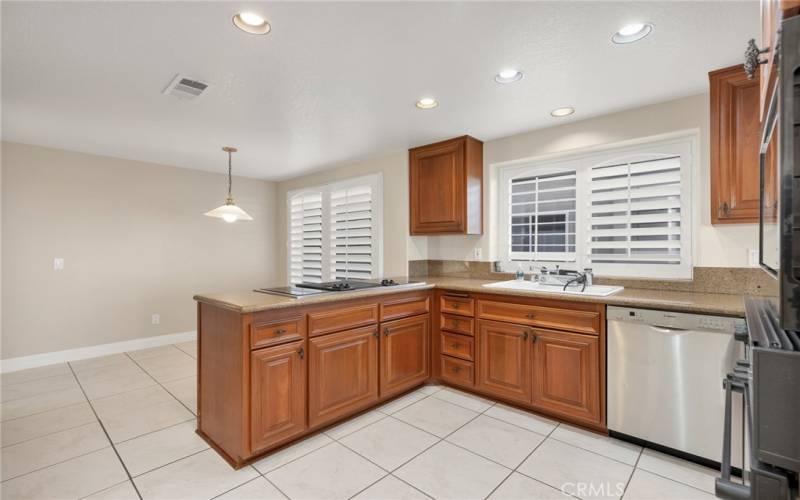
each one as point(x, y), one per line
point(593, 290)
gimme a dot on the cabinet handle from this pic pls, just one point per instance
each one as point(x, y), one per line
point(524, 336)
point(280, 331)
point(376, 334)
point(456, 305)
point(534, 338)
point(725, 208)
point(530, 315)
point(301, 352)
point(752, 60)
point(455, 346)
point(455, 323)
point(456, 369)
point(387, 331)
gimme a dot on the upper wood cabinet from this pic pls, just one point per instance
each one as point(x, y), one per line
point(446, 187)
point(772, 13)
point(735, 139)
point(277, 394)
point(404, 354)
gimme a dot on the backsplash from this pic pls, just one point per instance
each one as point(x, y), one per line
point(730, 280)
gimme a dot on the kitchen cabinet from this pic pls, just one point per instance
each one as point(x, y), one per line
point(772, 13)
point(504, 367)
point(404, 354)
point(566, 374)
point(342, 374)
point(277, 394)
point(446, 187)
point(735, 140)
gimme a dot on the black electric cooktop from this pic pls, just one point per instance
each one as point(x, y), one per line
point(305, 289)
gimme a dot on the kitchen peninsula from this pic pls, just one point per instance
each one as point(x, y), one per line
point(273, 369)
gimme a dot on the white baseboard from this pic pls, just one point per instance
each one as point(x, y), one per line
point(49, 358)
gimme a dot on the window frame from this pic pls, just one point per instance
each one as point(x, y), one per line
point(684, 144)
point(375, 182)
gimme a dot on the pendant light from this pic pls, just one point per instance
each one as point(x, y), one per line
point(229, 212)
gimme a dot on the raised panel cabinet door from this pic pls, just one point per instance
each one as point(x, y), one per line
point(735, 143)
point(566, 374)
point(342, 373)
point(504, 359)
point(438, 180)
point(404, 353)
point(277, 394)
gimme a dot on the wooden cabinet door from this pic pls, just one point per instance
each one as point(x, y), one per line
point(342, 373)
point(735, 141)
point(504, 360)
point(438, 180)
point(277, 394)
point(404, 353)
point(566, 374)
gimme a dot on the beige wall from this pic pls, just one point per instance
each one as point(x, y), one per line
point(134, 240)
point(713, 245)
point(398, 248)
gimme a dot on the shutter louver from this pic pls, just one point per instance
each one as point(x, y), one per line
point(635, 213)
point(542, 217)
point(306, 229)
point(351, 235)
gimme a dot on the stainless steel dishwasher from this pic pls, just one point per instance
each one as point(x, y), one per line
point(665, 373)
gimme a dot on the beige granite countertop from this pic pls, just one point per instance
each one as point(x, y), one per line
point(692, 302)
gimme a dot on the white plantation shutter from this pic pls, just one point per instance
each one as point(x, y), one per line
point(542, 217)
point(351, 235)
point(635, 213)
point(305, 237)
point(335, 231)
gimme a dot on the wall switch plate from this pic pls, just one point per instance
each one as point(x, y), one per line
point(752, 257)
point(477, 253)
point(156, 318)
point(58, 264)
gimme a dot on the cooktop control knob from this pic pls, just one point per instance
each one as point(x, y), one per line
point(387, 282)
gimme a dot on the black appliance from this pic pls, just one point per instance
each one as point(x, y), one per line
point(779, 228)
point(300, 290)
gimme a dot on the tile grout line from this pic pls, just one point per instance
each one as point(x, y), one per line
point(669, 479)
point(45, 435)
point(161, 385)
point(633, 471)
point(103, 427)
point(54, 464)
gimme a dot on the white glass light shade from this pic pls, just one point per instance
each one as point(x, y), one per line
point(229, 212)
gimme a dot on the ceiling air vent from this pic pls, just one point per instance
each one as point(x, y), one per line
point(186, 88)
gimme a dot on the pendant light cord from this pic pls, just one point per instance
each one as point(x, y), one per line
point(229, 175)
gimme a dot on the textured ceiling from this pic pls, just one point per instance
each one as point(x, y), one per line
point(335, 81)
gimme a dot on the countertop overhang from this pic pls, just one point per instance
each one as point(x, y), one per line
point(690, 302)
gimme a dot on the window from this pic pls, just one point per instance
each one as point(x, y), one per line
point(335, 231)
point(624, 212)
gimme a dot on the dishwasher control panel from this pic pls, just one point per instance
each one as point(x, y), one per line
point(676, 320)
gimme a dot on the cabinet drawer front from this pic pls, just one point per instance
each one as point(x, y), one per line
point(405, 306)
point(458, 371)
point(464, 306)
point(547, 317)
point(276, 332)
point(458, 346)
point(333, 320)
point(458, 324)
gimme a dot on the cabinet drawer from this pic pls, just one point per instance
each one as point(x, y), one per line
point(458, 324)
point(333, 320)
point(404, 306)
point(458, 371)
point(268, 333)
point(453, 304)
point(548, 317)
point(458, 346)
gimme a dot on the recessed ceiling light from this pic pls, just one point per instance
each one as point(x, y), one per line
point(632, 33)
point(427, 103)
point(509, 76)
point(251, 22)
point(565, 111)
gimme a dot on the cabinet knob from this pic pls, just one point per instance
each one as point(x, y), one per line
point(280, 331)
point(456, 305)
point(530, 315)
point(724, 208)
point(456, 369)
point(376, 334)
point(525, 335)
point(752, 60)
point(455, 346)
point(301, 352)
point(387, 331)
point(455, 323)
point(534, 338)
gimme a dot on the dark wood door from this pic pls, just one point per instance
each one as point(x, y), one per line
point(735, 141)
point(342, 373)
point(277, 394)
point(404, 354)
point(438, 180)
point(566, 374)
point(504, 360)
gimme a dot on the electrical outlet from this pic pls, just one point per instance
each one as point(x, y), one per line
point(476, 253)
point(58, 264)
point(752, 257)
point(156, 318)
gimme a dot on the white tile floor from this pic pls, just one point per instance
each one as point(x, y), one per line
point(122, 427)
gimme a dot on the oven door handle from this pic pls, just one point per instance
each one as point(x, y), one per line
point(723, 486)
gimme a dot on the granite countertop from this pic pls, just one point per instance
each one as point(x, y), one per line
point(691, 302)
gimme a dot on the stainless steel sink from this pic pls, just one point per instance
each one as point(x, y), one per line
point(532, 286)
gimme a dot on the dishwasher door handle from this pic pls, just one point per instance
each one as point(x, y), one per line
point(668, 330)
